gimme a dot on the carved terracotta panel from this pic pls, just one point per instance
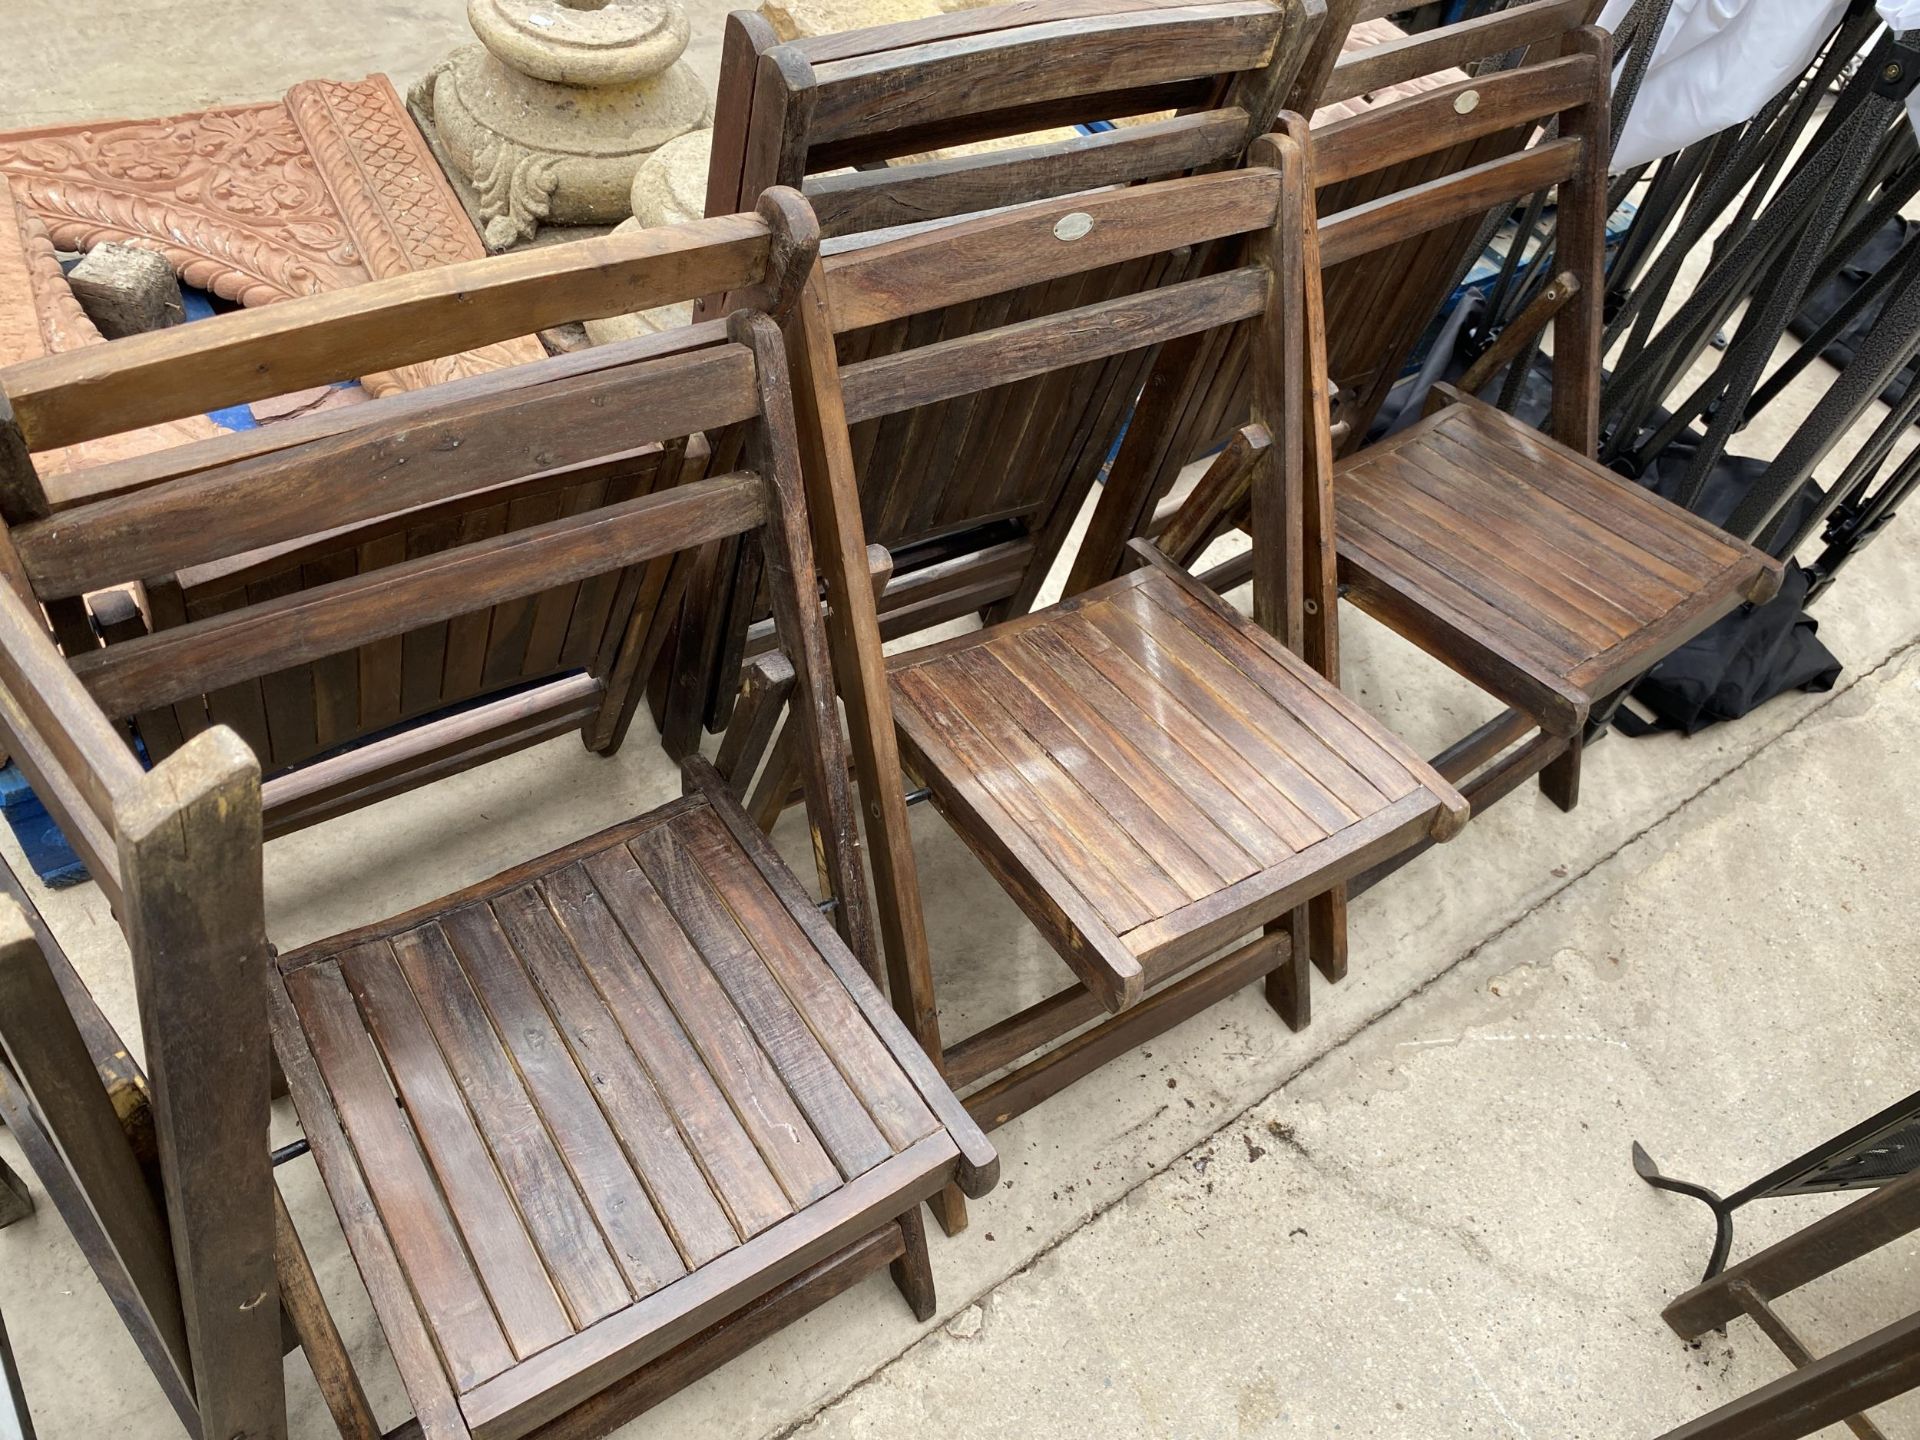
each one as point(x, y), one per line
point(39, 316)
point(330, 187)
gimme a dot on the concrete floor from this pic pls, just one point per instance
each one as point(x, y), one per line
point(1416, 1219)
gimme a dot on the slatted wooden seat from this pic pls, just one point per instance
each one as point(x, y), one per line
point(1108, 822)
point(639, 1082)
point(1543, 575)
point(1510, 556)
point(591, 1128)
point(1156, 767)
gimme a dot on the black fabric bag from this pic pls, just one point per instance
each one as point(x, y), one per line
point(1731, 667)
point(1746, 658)
point(1742, 660)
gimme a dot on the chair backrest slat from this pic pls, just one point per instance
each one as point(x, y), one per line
point(1010, 354)
point(122, 477)
point(294, 629)
point(1465, 194)
point(1013, 71)
point(852, 201)
point(1397, 61)
point(376, 469)
point(997, 253)
point(146, 379)
point(1449, 115)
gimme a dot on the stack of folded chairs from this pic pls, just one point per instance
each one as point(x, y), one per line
point(597, 1124)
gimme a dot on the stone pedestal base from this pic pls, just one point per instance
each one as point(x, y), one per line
point(541, 153)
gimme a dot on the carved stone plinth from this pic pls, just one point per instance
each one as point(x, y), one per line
point(551, 115)
point(330, 187)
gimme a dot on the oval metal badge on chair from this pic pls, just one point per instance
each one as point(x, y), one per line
point(1072, 227)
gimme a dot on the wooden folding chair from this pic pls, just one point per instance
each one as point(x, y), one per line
point(590, 1126)
point(973, 501)
point(1150, 775)
point(1377, 305)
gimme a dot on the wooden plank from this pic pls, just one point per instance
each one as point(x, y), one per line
point(700, 907)
point(250, 354)
point(968, 74)
point(627, 1095)
point(740, 1179)
point(1176, 940)
point(816, 996)
point(1112, 783)
point(952, 25)
point(1464, 194)
point(725, 1045)
point(1341, 757)
point(1037, 798)
point(435, 1263)
point(1396, 61)
point(123, 477)
point(979, 1168)
point(326, 1352)
point(414, 1349)
point(1166, 775)
point(376, 470)
point(549, 1384)
point(793, 589)
point(398, 598)
point(1190, 681)
point(856, 201)
point(525, 1288)
point(1034, 347)
point(1386, 135)
point(634, 1231)
point(189, 844)
point(381, 658)
point(936, 268)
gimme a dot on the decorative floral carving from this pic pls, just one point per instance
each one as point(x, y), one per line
point(39, 316)
point(328, 188)
point(515, 187)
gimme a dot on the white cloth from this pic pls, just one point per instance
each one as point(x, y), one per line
point(1718, 62)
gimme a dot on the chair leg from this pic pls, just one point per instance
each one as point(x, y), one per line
point(1560, 781)
point(1289, 985)
point(1327, 933)
point(313, 1323)
point(913, 1271)
point(16, 1201)
point(949, 1207)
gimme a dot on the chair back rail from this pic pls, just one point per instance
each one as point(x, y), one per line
point(1404, 189)
point(179, 847)
point(252, 354)
point(944, 480)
